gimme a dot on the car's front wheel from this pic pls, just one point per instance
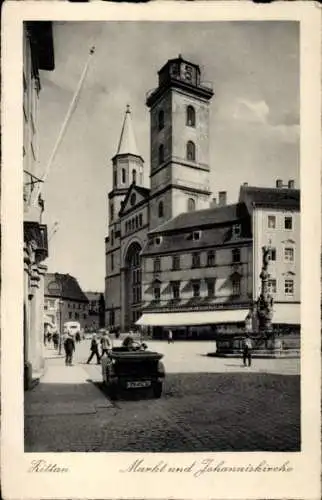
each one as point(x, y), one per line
point(157, 390)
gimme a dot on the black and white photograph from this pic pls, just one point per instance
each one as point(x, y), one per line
point(162, 243)
point(163, 293)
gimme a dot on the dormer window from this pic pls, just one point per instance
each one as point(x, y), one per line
point(158, 240)
point(236, 230)
point(161, 119)
point(123, 175)
point(191, 116)
point(196, 235)
point(134, 176)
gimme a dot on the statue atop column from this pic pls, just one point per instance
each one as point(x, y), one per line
point(265, 300)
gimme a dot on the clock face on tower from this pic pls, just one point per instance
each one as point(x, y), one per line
point(188, 73)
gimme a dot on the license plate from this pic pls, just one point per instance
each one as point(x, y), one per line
point(139, 383)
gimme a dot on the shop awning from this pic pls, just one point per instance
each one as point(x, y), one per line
point(287, 314)
point(193, 318)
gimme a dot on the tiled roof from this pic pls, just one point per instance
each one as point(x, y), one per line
point(215, 228)
point(70, 287)
point(270, 197)
point(200, 218)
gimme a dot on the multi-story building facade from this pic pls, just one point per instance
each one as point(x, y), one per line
point(96, 311)
point(174, 258)
point(38, 54)
point(276, 220)
point(64, 301)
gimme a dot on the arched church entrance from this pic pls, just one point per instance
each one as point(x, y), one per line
point(133, 285)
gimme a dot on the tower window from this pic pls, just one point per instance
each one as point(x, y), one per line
point(140, 220)
point(161, 119)
point(112, 262)
point(191, 151)
point(191, 116)
point(160, 209)
point(112, 211)
point(134, 175)
point(123, 175)
point(115, 177)
point(191, 205)
point(136, 222)
point(112, 237)
point(161, 154)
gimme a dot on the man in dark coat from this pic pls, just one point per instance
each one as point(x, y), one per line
point(69, 346)
point(94, 350)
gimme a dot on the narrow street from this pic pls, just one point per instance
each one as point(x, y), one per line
point(208, 404)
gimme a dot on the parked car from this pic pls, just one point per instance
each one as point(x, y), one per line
point(127, 369)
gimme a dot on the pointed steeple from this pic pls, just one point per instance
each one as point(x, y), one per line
point(127, 143)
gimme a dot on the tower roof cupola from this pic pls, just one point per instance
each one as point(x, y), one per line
point(127, 143)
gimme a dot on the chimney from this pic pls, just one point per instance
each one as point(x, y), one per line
point(214, 203)
point(222, 198)
point(279, 183)
point(291, 184)
point(245, 184)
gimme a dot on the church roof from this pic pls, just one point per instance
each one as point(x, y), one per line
point(209, 216)
point(70, 288)
point(127, 143)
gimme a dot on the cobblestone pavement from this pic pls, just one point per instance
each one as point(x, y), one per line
point(228, 409)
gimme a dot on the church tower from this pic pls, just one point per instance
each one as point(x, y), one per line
point(127, 167)
point(179, 111)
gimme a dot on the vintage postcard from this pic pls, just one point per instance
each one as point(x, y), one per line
point(161, 253)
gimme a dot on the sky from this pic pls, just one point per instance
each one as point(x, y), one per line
point(254, 117)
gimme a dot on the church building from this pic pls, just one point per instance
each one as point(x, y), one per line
point(174, 257)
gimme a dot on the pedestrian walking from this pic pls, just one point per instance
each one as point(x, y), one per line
point(56, 340)
point(94, 350)
point(78, 337)
point(69, 346)
point(170, 337)
point(247, 351)
point(106, 344)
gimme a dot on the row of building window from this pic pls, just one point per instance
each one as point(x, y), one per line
point(134, 223)
point(123, 176)
point(190, 152)
point(271, 222)
point(288, 254)
point(190, 117)
point(288, 286)
point(236, 289)
point(136, 294)
point(196, 288)
point(195, 260)
point(76, 315)
point(51, 304)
